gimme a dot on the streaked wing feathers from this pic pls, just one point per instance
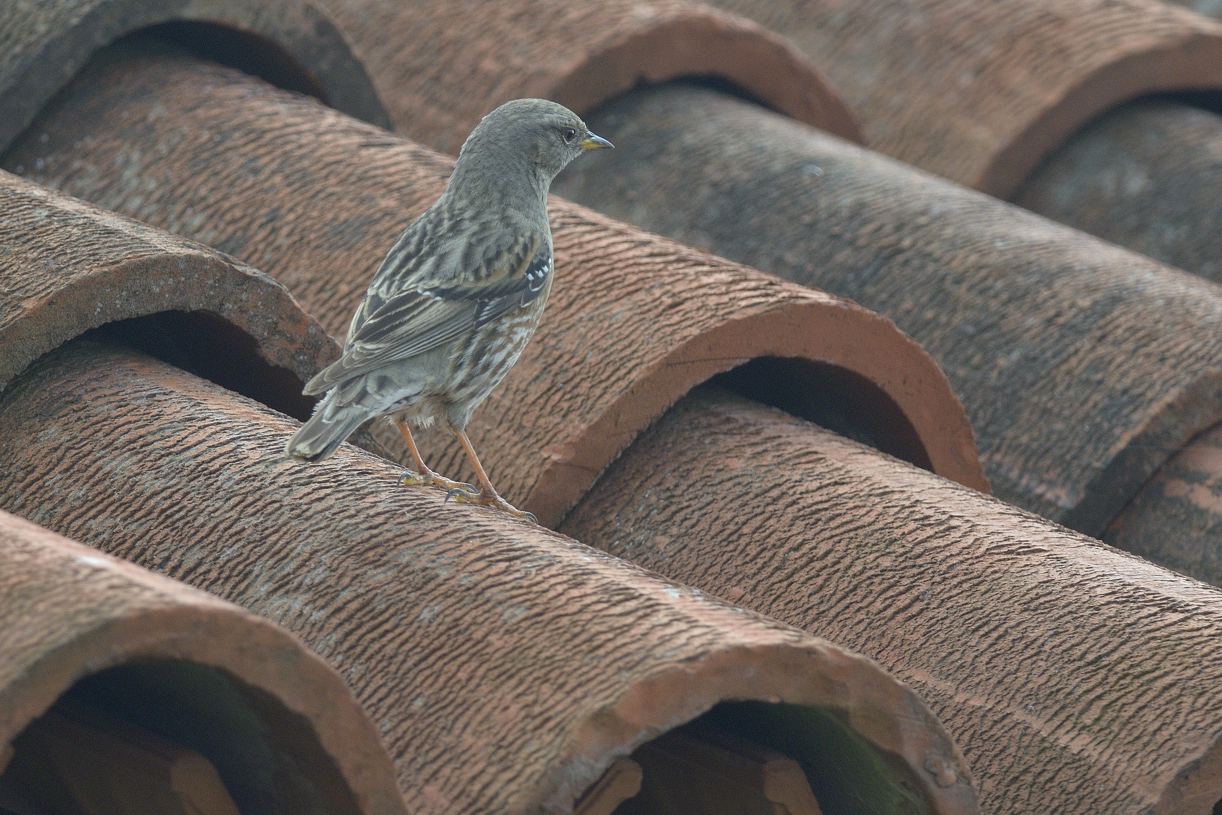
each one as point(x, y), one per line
point(431, 314)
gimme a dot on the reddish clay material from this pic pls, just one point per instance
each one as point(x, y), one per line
point(316, 198)
point(1077, 679)
point(439, 66)
point(1082, 366)
point(68, 267)
point(1147, 176)
point(981, 92)
point(284, 732)
point(1176, 519)
point(291, 42)
point(505, 665)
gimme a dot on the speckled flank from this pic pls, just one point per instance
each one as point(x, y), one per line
point(462, 632)
point(70, 612)
point(1077, 679)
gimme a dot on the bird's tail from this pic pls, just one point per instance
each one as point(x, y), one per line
point(326, 429)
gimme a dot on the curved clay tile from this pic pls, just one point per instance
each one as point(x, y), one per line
point(981, 92)
point(439, 65)
point(1176, 519)
point(1077, 679)
point(195, 669)
point(1083, 367)
point(505, 665)
point(315, 198)
point(1147, 176)
point(69, 267)
point(291, 41)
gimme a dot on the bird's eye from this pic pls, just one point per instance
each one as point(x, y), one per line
point(568, 134)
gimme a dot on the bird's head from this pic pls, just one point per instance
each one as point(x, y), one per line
point(545, 135)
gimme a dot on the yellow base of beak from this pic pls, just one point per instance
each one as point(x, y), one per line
point(592, 142)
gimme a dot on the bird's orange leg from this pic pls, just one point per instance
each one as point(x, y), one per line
point(487, 496)
point(422, 475)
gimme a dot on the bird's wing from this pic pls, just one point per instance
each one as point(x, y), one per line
point(434, 312)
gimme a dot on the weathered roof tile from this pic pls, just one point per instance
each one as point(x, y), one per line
point(506, 666)
point(439, 66)
point(1148, 176)
point(1077, 393)
point(316, 198)
point(981, 92)
point(1076, 678)
point(281, 728)
point(44, 43)
point(69, 267)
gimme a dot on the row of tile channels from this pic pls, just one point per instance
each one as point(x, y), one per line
point(978, 93)
point(1025, 76)
point(1077, 394)
point(70, 613)
point(313, 197)
point(551, 81)
point(1055, 661)
point(315, 238)
point(1020, 85)
point(504, 665)
point(606, 50)
point(183, 441)
point(1053, 359)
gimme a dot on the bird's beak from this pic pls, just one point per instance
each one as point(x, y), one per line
point(592, 142)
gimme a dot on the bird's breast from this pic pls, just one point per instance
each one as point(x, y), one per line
point(493, 350)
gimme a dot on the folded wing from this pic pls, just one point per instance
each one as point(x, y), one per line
point(432, 313)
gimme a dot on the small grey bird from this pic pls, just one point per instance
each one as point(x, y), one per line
point(457, 297)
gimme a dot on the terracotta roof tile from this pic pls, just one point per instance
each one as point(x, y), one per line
point(1147, 176)
point(1075, 677)
point(1076, 395)
point(981, 92)
point(316, 198)
point(200, 671)
point(439, 65)
point(505, 665)
point(42, 44)
point(69, 267)
point(1176, 519)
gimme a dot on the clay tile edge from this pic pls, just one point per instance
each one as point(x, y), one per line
point(812, 672)
point(53, 43)
point(137, 615)
point(795, 324)
point(87, 267)
point(704, 42)
point(1187, 59)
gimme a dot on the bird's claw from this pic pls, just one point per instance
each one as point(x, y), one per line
point(411, 478)
point(490, 500)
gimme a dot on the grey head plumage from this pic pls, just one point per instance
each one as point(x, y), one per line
point(460, 291)
point(525, 139)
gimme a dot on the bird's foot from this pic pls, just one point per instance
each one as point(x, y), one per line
point(489, 499)
point(428, 478)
